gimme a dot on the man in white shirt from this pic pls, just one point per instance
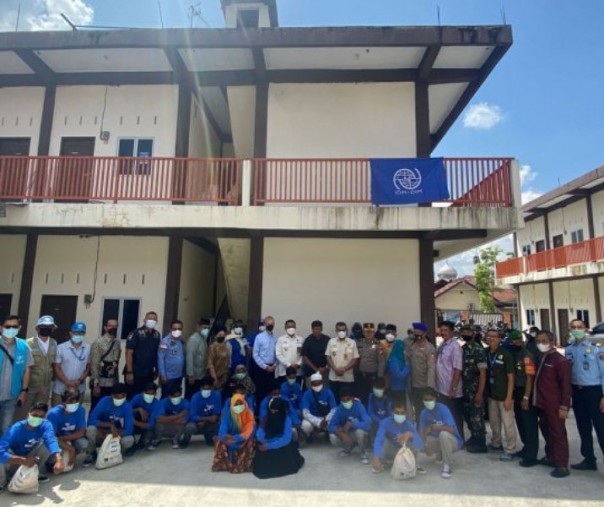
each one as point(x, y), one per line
point(342, 356)
point(289, 351)
point(72, 364)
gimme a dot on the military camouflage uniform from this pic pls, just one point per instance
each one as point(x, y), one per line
point(474, 359)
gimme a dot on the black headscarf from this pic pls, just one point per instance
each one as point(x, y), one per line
point(275, 422)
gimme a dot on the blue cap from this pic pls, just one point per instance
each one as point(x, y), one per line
point(420, 327)
point(78, 327)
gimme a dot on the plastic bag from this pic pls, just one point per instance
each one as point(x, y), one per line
point(110, 454)
point(403, 467)
point(25, 480)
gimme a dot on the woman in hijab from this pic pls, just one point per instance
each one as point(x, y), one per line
point(397, 371)
point(277, 454)
point(235, 446)
point(238, 379)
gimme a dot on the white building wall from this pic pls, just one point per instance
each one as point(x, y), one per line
point(533, 231)
point(21, 114)
point(575, 295)
point(597, 205)
point(203, 141)
point(128, 267)
point(533, 297)
point(462, 297)
point(341, 120)
point(12, 254)
point(353, 280)
point(568, 219)
point(601, 284)
point(230, 14)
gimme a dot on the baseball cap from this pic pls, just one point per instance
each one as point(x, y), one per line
point(467, 327)
point(420, 326)
point(78, 327)
point(46, 320)
point(513, 335)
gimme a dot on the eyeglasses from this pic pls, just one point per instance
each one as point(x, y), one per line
point(10, 327)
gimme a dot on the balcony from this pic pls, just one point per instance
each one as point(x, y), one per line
point(473, 182)
point(581, 258)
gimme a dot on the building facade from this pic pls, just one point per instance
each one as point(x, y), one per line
point(226, 171)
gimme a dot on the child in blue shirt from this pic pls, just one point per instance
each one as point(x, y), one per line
point(350, 424)
point(317, 406)
point(69, 424)
point(204, 412)
point(170, 420)
point(291, 388)
point(143, 406)
point(379, 406)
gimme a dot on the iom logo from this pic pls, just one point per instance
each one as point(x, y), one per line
point(407, 181)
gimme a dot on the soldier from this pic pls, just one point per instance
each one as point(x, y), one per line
point(587, 360)
point(474, 378)
point(421, 356)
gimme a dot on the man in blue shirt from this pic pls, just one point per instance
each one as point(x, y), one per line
point(394, 432)
point(143, 405)
point(350, 425)
point(379, 406)
point(171, 359)
point(291, 389)
point(69, 424)
point(204, 412)
point(587, 374)
point(265, 356)
point(29, 442)
point(318, 406)
point(113, 414)
point(439, 431)
point(170, 420)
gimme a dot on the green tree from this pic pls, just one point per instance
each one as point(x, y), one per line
point(484, 272)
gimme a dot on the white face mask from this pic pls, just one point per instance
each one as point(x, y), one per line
point(390, 337)
point(177, 333)
point(148, 398)
point(543, 348)
point(118, 402)
point(205, 393)
point(150, 323)
point(72, 407)
point(291, 331)
point(342, 335)
point(237, 330)
point(262, 329)
point(317, 389)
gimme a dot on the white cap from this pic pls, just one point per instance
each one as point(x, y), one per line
point(46, 320)
point(316, 377)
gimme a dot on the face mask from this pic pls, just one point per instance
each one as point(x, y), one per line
point(379, 393)
point(148, 398)
point(238, 330)
point(119, 402)
point(176, 400)
point(467, 338)
point(112, 331)
point(317, 389)
point(177, 333)
point(240, 376)
point(390, 337)
point(44, 331)
point(205, 393)
point(150, 324)
point(77, 338)
point(430, 404)
point(238, 409)
point(516, 348)
point(534, 335)
point(399, 419)
point(291, 331)
point(72, 407)
point(10, 333)
point(34, 421)
point(543, 348)
point(205, 332)
point(347, 405)
point(220, 339)
point(341, 335)
point(291, 381)
point(262, 329)
point(270, 328)
point(578, 334)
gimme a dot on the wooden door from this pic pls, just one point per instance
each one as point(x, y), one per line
point(13, 168)
point(563, 323)
point(545, 322)
point(6, 300)
point(73, 180)
point(63, 309)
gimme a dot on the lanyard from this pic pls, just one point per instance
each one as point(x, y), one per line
point(82, 353)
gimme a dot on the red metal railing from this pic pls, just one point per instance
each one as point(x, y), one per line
point(471, 181)
point(591, 250)
point(120, 179)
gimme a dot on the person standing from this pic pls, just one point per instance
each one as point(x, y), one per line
point(15, 363)
point(72, 364)
point(397, 370)
point(289, 351)
point(141, 355)
point(501, 396)
point(421, 356)
point(219, 359)
point(474, 379)
point(449, 367)
point(44, 352)
point(265, 356)
point(239, 346)
point(313, 353)
point(524, 410)
point(342, 356)
point(196, 351)
point(552, 396)
point(104, 361)
point(587, 365)
point(171, 359)
point(371, 362)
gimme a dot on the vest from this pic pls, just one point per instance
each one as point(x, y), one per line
point(20, 362)
point(41, 373)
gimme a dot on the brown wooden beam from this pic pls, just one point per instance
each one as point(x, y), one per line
point(254, 305)
point(173, 274)
point(426, 285)
point(27, 278)
point(427, 63)
point(261, 120)
point(46, 121)
point(35, 63)
point(597, 298)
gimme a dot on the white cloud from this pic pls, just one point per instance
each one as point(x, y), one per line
point(530, 195)
point(527, 176)
point(482, 116)
point(44, 14)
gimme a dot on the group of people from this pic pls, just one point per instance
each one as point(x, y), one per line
point(257, 397)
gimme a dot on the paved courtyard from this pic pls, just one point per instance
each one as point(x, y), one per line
point(182, 477)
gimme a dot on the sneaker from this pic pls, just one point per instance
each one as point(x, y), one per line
point(42, 479)
point(439, 459)
point(585, 465)
point(420, 470)
point(495, 448)
point(364, 459)
point(447, 472)
point(175, 445)
point(151, 447)
point(343, 453)
point(558, 473)
point(506, 456)
point(374, 471)
point(88, 461)
point(527, 463)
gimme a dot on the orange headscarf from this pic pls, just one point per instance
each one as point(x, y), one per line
point(244, 422)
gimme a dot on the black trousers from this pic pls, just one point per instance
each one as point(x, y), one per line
point(264, 383)
point(527, 422)
point(105, 391)
point(586, 405)
point(417, 400)
point(191, 389)
point(456, 407)
point(138, 385)
point(364, 385)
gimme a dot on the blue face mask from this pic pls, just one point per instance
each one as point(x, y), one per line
point(430, 404)
point(399, 418)
point(10, 333)
point(76, 338)
point(291, 381)
point(347, 404)
point(176, 400)
point(205, 332)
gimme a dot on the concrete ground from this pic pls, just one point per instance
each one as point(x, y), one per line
point(169, 477)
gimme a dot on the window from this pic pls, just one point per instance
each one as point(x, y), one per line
point(576, 236)
point(540, 245)
point(248, 18)
point(135, 148)
point(584, 316)
point(558, 240)
point(126, 311)
point(530, 317)
point(526, 250)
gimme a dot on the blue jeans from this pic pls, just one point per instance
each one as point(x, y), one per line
point(7, 410)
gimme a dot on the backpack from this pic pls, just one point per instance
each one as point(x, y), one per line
point(25, 480)
point(403, 467)
point(110, 454)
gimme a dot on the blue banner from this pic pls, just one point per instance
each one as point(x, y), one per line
point(408, 180)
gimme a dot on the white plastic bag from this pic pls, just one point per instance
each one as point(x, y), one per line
point(110, 454)
point(403, 467)
point(25, 480)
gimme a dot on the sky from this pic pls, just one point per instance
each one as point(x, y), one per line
point(543, 104)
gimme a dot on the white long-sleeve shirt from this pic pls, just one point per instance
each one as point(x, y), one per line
point(289, 353)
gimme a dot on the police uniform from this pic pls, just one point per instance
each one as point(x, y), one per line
point(474, 360)
point(526, 420)
point(587, 374)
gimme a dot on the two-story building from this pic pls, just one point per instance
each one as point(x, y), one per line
point(205, 171)
point(559, 263)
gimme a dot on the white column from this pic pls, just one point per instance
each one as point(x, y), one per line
point(246, 183)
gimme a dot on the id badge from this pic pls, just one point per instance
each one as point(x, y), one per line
point(586, 366)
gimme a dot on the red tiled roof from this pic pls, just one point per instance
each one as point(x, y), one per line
point(502, 296)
